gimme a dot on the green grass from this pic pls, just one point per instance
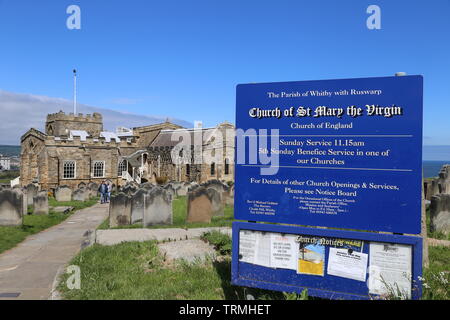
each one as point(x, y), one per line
point(32, 224)
point(220, 241)
point(436, 283)
point(77, 205)
point(179, 208)
point(137, 271)
point(9, 175)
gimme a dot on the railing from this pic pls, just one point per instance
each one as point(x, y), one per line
point(126, 176)
point(129, 178)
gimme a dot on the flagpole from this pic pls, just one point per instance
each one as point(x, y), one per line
point(74, 91)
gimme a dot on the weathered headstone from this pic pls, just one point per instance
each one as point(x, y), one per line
point(11, 208)
point(82, 185)
point(434, 188)
point(137, 205)
point(444, 179)
point(215, 184)
point(63, 193)
point(129, 189)
point(119, 210)
point(440, 213)
point(31, 191)
point(40, 203)
point(169, 188)
point(228, 196)
point(147, 185)
point(92, 190)
point(199, 206)
point(19, 191)
point(182, 189)
point(216, 202)
point(158, 207)
point(81, 194)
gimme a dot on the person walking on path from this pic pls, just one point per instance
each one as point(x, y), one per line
point(108, 194)
point(103, 189)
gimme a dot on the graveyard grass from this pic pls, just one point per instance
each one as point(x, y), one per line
point(136, 271)
point(179, 209)
point(32, 224)
point(436, 278)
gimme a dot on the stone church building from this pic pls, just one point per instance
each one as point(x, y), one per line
point(76, 148)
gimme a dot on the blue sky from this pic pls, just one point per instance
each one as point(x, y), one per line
point(183, 59)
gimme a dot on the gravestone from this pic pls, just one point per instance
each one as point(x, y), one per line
point(199, 206)
point(158, 207)
point(169, 188)
point(19, 191)
point(216, 202)
point(228, 196)
point(193, 187)
point(440, 213)
point(63, 193)
point(137, 205)
point(11, 208)
point(82, 185)
point(147, 185)
point(40, 203)
point(182, 189)
point(215, 184)
point(81, 194)
point(444, 179)
point(129, 189)
point(119, 210)
point(31, 191)
point(92, 190)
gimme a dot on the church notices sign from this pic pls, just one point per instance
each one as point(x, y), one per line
point(333, 153)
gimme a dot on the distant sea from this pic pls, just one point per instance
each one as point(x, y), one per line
point(432, 168)
point(434, 157)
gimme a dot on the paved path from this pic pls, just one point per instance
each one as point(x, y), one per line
point(29, 269)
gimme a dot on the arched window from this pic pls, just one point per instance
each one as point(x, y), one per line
point(213, 168)
point(123, 166)
point(227, 166)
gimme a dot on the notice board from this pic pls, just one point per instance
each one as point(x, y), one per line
point(338, 153)
point(343, 154)
point(332, 264)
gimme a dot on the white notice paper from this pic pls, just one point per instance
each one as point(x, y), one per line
point(263, 249)
point(247, 246)
point(390, 269)
point(284, 251)
point(353, 265)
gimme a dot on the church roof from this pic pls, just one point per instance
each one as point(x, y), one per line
point(33, 132)
point(164, 139)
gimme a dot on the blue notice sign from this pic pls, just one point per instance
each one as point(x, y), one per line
point(333, 153)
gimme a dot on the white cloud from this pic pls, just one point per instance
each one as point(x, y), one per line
point(20, 112)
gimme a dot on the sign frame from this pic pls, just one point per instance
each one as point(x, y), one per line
point(249, 275)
